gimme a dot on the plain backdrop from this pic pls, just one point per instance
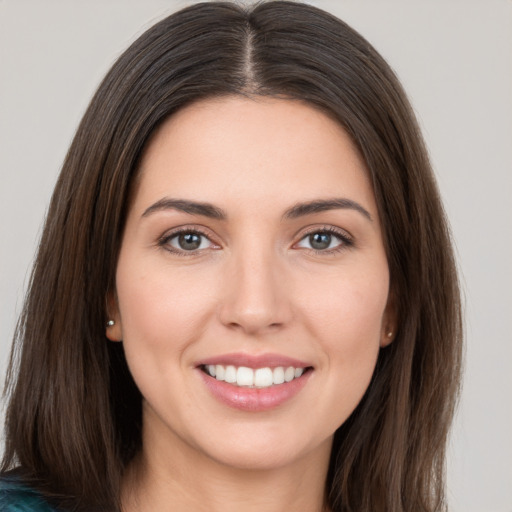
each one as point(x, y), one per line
point(454, 59)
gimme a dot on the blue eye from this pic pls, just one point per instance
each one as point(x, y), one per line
point(324, 240)
point(187, 241)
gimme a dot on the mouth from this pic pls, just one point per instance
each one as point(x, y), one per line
point(254, 383)
point(259, 378)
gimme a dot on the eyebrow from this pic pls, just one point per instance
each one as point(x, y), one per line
point(322, 205)
point(296, 211)
point(191, 207)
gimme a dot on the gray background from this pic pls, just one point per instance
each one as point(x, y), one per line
point(455, 60)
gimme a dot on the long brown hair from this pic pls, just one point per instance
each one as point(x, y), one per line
point(73, 420)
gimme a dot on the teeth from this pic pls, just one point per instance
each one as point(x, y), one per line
point(263, 377)
point(259, 378)
point(244, 376)
point(230, 375)
point(278, 375)
point(219, 372)
point(289, 374)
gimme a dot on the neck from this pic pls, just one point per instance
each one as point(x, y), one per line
point(183, 480)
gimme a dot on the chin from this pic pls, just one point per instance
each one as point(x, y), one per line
point(261, 452)
point(249, 459)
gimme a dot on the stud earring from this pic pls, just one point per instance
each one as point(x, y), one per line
point(390, 334)
point(110, 323)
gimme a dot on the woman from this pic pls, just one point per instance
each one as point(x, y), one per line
point(245, 292)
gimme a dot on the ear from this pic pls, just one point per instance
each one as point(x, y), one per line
point(389, 322)
point(114, 328)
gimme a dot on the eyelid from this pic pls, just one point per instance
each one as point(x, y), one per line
point(163, 241)
point(347, 240)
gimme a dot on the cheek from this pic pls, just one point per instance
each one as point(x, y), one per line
point(347, 324)
point(162, 312)
point(347, 308)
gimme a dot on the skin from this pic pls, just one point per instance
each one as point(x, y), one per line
point(256, 285)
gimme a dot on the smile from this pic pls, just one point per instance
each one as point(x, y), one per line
point(243, 376)
point(254, 383)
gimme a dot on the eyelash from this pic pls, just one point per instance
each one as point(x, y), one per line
point(346, 241)
point(164, 241)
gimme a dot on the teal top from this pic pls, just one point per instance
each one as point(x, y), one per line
point(15, 497)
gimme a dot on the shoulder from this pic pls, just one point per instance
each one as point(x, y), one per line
point(15, 497)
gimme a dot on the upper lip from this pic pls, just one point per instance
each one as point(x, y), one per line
point(253, 361)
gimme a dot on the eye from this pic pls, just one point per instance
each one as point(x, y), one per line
point(325, 240)
point(186, 241)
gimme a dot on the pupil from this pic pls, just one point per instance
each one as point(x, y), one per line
point(320, 240)
point(189, 241)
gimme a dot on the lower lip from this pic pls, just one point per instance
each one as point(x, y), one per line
point(254, 399)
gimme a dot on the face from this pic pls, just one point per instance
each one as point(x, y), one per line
point(252, 283)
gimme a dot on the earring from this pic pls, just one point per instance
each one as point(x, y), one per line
point(390, 334)
point(110, 323)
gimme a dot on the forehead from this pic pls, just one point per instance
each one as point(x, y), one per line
point(259, 150)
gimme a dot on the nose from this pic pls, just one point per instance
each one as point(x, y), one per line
point(256, 294)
